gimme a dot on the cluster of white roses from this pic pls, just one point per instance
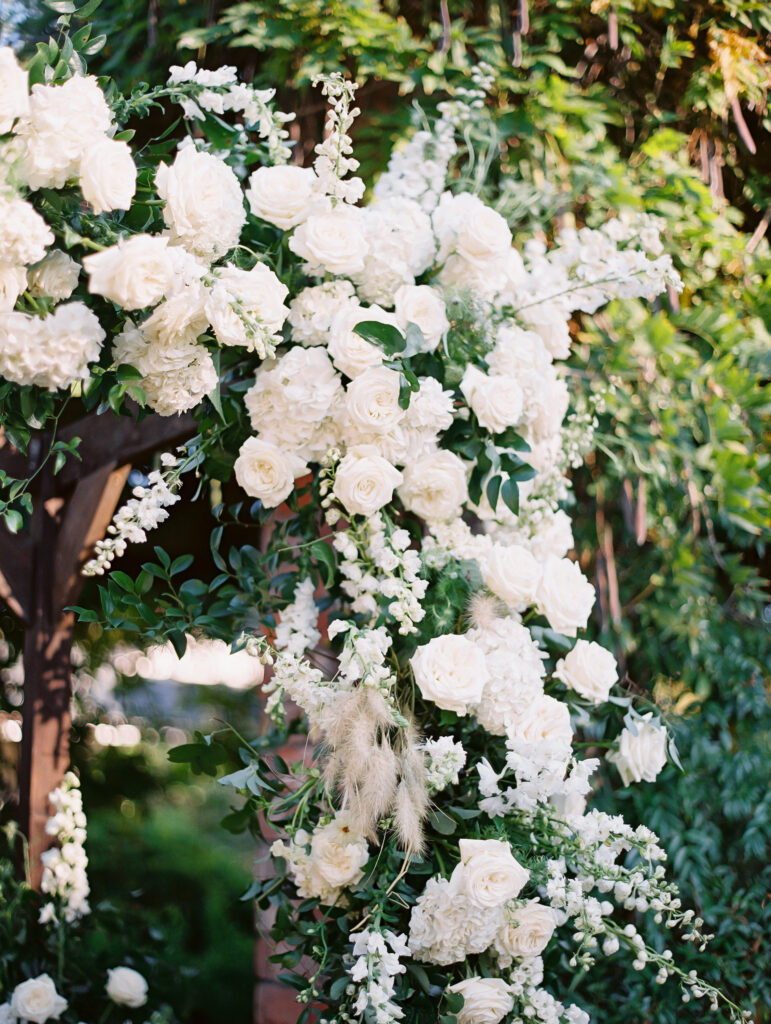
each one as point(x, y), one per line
point(64, 866)
point(327, 861)
point(36, 1000)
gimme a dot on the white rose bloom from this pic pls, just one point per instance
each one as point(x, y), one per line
point(445, 926)
point(267, 472)
point(63, 121)
point(590, 670)
point(485, 1000)
point(13, 281)
point(518, 353)
point(423, 306)
point(37, 1000)
point(204, 206)
point(372, 401)
point(496, 401)
point(450, 671)
point(7, 1016)
point(24, 235)
point(565, 596)
point(108, 176)
point(14, 91)
point(467, 227)
point(488, 873)
point(284, 195)
point(350, 353)
point(551, 323)
point(513, 574)
point(338, 854)
point(126, 987)
point(134, 273)
point(641, 754)
point(179, 319)
point(51, 352)
point(258, 293)
point(365, 481)
point(544, 720)
point(54, 277)
point(332, 242)
point(312, 311)
point(525, 932)
point(435, 486)
point(547, 416)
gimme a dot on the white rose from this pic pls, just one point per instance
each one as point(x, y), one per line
point(551, 324)
point(338, 854)
point(565, 595)
point(435, 486)
point(37, 1000)
point(284, 195)
point(13, 281)
point(14, 92)
point(372, 400)
point(108, 176)
point(589, 669)
point(512, 573)
point(126, 987)
point(488, 872)
point(544, 720)
point(485, 1000)
point(204, 206)
point(495, 401)
point(422, 305)
point(365, 481)
point(332, 242)
point(136, 272)
point(350, 353)
point(258, 292)
point(266, 472)
point(643, 753)
point(550, 411)
point(526, 931)
point(7, 1016)
point(54, 277)
point(451, 671)
point(466, 226)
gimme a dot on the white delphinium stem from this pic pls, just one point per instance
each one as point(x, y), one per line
point(373, 972)
point(333, 155)
point(64, 867)
point(445, 761)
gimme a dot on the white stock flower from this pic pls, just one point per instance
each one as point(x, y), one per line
point(350, 353)
point(134, 273)
point(589, 669)
point(126, 987)
point(108, 175)
point(13, 281)
point(565, 595)
point(485, 1000)
point(450, 670)
point(365, 481)
point(641, 753)
point(512, 573)
point(37, 1000)
point(284, 195)
point(14, 90)
point(372, 401)
point(54, 277)
point(24, 235)
point(332, 242)
point(423, 306)
point(266, 471)
point(435, 486)
point(525, 932)
point(488, 873)
point(204, 206)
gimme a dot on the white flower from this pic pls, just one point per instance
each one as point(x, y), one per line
point(13, 281)
point(466, 227)
point(445, 926)
point(37, 1000)
point(450, 670)
point(350, 353)
point(312, 311)
point(284, 195)
point(108, 175)
point(126, 987)
point(544, 720)
point(24, 235)
point(485, 1000)
point(565, 596)
point(267, 472)
point(516, 670)
point(136, 272)
point(589, 669)
point(495, 400)
point(246, 307)
point(204, 207)
point(337, 856)
point(400, 244)
point(372, 400)
point(488, 873)
point(332, 242)
point(365, 481)
point(435, 486)
point(51, 352)
point(422, 305)
point(7, 1016)
point(14, 92)
point(512, 573)
point(551, 323)
point(641, 753)
point(63, 121)
point(526, 931)
point(55, 276)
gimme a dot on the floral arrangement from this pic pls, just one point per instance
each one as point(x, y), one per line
point(389, 376)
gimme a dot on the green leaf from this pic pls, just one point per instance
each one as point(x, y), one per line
point(442, 823)
point(325, 558)
point(123, 580)
point(510, 494)
point(385, 336)
point(493, 490)
point(178, 642)
point(180, 564)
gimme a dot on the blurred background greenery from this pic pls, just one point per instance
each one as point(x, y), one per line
point(596, 106)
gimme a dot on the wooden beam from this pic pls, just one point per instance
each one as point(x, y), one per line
point(16, 572)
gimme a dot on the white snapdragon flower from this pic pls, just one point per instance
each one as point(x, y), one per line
point(435, 486)
point(126, 987)
point(55, 276)
point(14, 89)
point(485, 1000)
point(565, 596)
point(333, 242)
point(108, 175)
point(642, 751)
point(444, 761)
point(134, 273)
point(284, 195)
point(450, 671)
point(266, 471)
point(365, 481)
point(37, 1000)
point(589, 669)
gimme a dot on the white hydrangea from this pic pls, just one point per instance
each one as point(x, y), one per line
point(24, 235)
point(312, 311)
point(401, 246)
point(246, 307)
point(53, 351)
point(515, 666)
